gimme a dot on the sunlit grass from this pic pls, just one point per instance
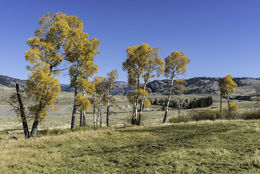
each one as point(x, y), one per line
point(196, 147)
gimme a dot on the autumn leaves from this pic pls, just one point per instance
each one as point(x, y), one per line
point(60, 38)
point(142, 64)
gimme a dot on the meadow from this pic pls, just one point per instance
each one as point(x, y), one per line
point(195, 147)
point(221, 146)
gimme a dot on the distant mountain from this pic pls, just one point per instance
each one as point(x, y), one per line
point(10, 82)
point(196, 85)
point(206, 85)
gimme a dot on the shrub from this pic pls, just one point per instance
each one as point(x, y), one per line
point(183, 118)
point(208, 115)
point(251, 115)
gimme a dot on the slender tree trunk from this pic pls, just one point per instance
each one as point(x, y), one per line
point(134, 116)
point(134, 120)
point(228, 107)
point(81, 118)
point(24, 121)
point(100, 115)
point(73, 117)
point(179, 109)
point(168, 102)
point(108, 114)
point(94, 115)
point(84, 119)
point(35, 127)
point(140, 114)
point(220, 103)
point(108, 106)
point(141, 107)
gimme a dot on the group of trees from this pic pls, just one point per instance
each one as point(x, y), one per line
point(61, 44)
point(185, 104)
point(142, 64)
point(60, 38)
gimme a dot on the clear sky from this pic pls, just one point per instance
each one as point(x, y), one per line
point(220, 37)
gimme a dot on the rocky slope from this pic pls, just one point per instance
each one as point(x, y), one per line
point(196, 85)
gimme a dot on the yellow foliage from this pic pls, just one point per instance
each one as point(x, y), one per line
point(139, 92)
point(227, 86)
point(147, 103)
point(82, 102)
point(180, 86)
point(42, 88)
point(176, 63)
point(86, 85)
point(111, 78)
point(233, 107)
point(142, 61)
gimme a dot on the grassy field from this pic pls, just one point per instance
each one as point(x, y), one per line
point(196, 147)
point(201, 147)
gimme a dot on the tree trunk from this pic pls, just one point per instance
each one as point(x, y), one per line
point(108, 114)
point(73, 117)
point(134, 120)
point(140, 113)
point(179, 109)
point(35, 127)
point(81, 118)
point(141, 107)
point(168, 102)
point(24, 121)
point(36, 121)
point(220, 104)
point(228, 107)
point(100, 116)
point(84, 119)
point(94, 116)
point(108, 106)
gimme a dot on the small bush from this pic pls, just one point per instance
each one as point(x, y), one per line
point(251, 115)
point(183, 118)
point(208, 115)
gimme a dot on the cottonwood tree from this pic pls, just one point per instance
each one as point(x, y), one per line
point(179, 89)
point(80, 52)
point(16, 101)
point(223, 92)
point(154, 68)
point(142, 95)
point(45, 55)
point(43, 89)
point(142, 61)
point(175, 64)
point(228, 87)
point(82, 101)
point(100, 98)
point(111, 78)
point(47, 51)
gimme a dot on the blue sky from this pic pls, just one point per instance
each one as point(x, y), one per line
point(219, 36)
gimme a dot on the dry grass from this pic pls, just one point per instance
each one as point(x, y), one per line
point(196, 147)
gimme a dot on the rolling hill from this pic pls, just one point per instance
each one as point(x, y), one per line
point(196, 85)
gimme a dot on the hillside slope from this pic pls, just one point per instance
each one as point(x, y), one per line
point(196, 85)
